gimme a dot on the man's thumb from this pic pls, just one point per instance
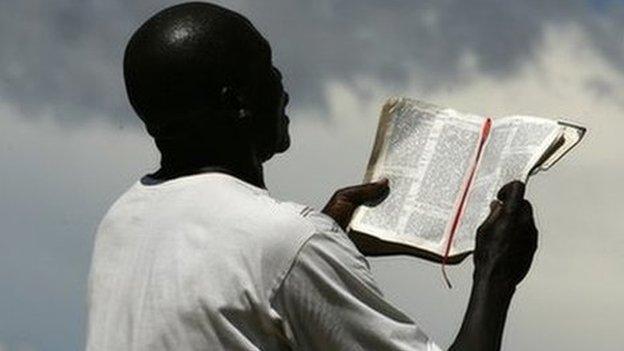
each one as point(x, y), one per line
point(360, 194)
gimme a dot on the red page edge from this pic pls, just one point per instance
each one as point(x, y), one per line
point(485, 133)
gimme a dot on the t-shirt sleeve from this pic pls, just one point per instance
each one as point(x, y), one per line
point(329, 301)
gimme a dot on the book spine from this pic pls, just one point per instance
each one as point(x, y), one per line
point(485, 133)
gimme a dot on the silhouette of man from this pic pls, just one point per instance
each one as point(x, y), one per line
point(199, 256)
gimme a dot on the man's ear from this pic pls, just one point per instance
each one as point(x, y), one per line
point(232, 100)
point(249, 122)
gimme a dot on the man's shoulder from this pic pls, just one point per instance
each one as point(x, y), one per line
point(319, 220)
point(293, 219)
point(264, 211)
point(226, 206)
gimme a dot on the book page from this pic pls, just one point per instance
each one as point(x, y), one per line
point(571, 135)
point(425, 152)
point(514, 146)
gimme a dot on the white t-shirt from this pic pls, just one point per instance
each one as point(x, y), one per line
point(209, 262)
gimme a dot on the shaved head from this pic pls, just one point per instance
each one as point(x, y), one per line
point(180, 60)
point(194, 71)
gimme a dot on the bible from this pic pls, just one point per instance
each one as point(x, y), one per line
point(445, 167)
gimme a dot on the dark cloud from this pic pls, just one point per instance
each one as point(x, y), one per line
point(64, 57)
point(603, 90)
point(600, 88)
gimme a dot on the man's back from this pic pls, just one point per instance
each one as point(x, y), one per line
point(191, 263)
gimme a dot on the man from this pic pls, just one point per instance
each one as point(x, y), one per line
point(199, 256)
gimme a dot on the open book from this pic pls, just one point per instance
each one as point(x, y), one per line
point(445, 167)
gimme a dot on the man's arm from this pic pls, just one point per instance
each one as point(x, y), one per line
point(506, 242)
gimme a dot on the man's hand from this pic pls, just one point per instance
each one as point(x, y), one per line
point(507, 239)
point(344, 201)
point(506, 242)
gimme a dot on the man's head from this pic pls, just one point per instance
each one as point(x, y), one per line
point(201, 74)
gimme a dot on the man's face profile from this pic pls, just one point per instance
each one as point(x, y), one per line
point(281, 98)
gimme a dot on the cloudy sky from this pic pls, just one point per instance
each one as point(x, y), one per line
point(69, 144)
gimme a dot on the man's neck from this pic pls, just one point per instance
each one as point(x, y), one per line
point(249, 170)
